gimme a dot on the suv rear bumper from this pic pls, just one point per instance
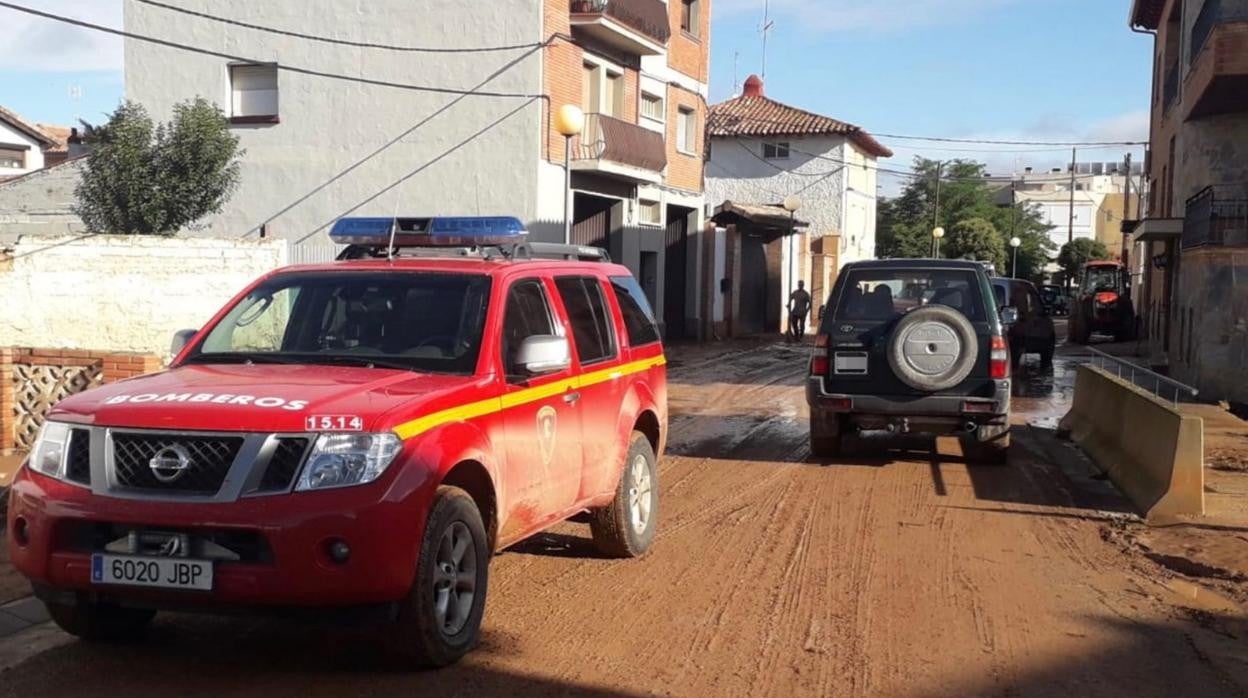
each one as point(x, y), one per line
point(989, 410)
point(295, 530)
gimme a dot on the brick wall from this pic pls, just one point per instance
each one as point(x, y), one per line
point(561, 75)
point(23, 402)
point(684, 171)
point(686, 53)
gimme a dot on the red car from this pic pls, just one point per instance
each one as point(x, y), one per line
point(363, 433)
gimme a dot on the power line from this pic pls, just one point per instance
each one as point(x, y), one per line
point(330, 40)
point(283, 67)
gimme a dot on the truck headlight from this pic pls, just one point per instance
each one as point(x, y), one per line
point(342, 460)
point(48, 455)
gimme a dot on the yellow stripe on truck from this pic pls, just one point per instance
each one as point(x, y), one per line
point(495, 405)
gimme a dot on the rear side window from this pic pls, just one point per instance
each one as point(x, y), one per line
point(638, 318)
point(587, 311)
point(879, 295)
point(527, 315)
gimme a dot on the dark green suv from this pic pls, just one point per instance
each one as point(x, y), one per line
point(912, 346)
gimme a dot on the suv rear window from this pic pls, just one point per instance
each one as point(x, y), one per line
point(882, 294)
point(638, 318)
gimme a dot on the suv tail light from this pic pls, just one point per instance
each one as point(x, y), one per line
point(999, 359)
point(819, 362)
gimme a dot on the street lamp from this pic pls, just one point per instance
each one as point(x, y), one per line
point(937, 233)
point(568, 122)
point(1014, 242)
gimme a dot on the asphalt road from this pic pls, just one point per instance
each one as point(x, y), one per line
point(894, 573)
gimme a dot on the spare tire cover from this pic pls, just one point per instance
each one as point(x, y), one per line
point(933, 348)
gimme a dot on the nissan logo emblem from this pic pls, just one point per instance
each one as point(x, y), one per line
point(170, 463)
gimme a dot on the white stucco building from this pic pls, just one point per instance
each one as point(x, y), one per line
point(321, 146)
point(762, 151)
point(21, 145)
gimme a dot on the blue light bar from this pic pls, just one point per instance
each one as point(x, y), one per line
point(457, 231)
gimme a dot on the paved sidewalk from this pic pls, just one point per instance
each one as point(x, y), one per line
point(22, 614)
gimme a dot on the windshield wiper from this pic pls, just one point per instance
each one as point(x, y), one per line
point(238, 357)
point(366, 361)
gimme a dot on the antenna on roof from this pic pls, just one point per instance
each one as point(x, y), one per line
point(768, 25)
point(736, 84)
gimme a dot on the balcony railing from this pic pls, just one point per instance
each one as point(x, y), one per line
point(1213, 13)
point(1216, 216)
point(646, 16)
point(617, 147)
point(1170, 88)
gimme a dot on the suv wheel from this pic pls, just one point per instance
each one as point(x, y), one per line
point(626, 526)
point(440, 620)
point(99, 622)
point(990, 444)
point(826, 435)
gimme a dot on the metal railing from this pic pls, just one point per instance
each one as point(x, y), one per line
point(1128, 370)
point(1213, 13)
point(608, 138)
point(646, 16)
point(1170, 88)
point(1216, 216)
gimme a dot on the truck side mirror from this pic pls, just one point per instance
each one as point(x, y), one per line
point(180, 339)
point(544, 354)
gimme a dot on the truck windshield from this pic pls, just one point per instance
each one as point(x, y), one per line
point(881, 294)
point(418, 321)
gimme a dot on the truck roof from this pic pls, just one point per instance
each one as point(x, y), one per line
point(915, 262)
point(498, 266)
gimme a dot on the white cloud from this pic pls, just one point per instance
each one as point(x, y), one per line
point(39, 44)
point(880, 16)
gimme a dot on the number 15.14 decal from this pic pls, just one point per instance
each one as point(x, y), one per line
point(334, 422)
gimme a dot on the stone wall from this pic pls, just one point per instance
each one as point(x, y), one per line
point(40, 203)
point(1209, 325)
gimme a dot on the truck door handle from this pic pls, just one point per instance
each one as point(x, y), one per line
point(571, 398)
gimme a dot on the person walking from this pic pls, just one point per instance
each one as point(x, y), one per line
point(799, 308)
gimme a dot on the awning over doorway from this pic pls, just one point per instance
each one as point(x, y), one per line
point(771, 217)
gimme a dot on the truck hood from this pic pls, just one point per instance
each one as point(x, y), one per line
point(260, 398)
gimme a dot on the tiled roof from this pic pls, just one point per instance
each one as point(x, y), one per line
point(25, 127)
point(750, 115)
point(59, 134)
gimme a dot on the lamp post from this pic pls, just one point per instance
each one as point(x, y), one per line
point(937, 233)
point(568, 122)
point(1014, 243)
point(791, 204)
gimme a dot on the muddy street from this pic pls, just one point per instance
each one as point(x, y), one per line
point(896, 572)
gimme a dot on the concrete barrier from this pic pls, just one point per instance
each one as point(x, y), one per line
point(1152, 452)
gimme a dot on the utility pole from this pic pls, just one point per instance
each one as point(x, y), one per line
point(1070, 233)
point(1126, 207)
point(936, 209)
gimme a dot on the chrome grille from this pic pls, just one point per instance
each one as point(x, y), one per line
point(78, 461)
point(209, 460)
point(284, 464)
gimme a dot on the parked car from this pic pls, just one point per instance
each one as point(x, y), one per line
point(912, 346)
point(362, 434)
point(1055, 299)
point(1102, 303)
point(1033, 332)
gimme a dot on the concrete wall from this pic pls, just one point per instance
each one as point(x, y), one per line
point(34, 156)
point(122, 293)
point(858, 231)
point(1209, 330)
point(40, 203)
point(300, 174)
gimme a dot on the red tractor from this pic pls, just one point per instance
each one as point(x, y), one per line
point(1102, 303)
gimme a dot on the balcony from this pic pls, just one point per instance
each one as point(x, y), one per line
point(1216, 216)
point(616, 148)
point(1217, 79)
point(638, 27)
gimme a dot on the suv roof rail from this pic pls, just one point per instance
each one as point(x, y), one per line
point(515, 251)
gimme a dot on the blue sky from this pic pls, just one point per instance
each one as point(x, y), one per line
point(998, 69)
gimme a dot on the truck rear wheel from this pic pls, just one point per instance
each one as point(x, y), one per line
point(440, 620)
point(99, 622)
point(626, 526)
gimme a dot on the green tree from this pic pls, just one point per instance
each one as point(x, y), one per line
point(905, 222)
point(144, 178)
point(977, 239)
point(1077, 253)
